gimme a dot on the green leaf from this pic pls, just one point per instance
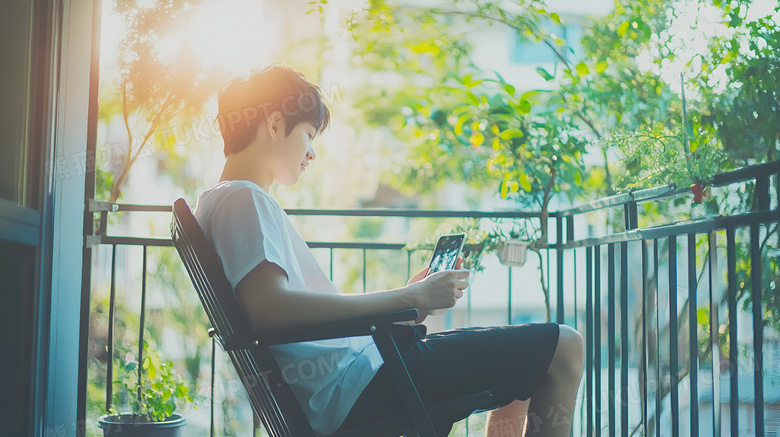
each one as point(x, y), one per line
point(504, 187)
point(458, 129)
point(524, 106)
point(525, 182)
point(542, 72)
point(472, 98)
point(129, 367)
point(511, 133)
point(556, 18)
point(601, 66)
point(582, 69)
point(703, 316)
point(736, 20)
point(477, 139)
point(623, 28)
point(152, 371)
point(509, 89)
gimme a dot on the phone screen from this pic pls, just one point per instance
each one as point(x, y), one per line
point(446, 253)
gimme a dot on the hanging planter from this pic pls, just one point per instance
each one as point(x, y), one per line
point(513, 252)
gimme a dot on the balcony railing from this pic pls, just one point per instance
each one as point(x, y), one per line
point(661, 304)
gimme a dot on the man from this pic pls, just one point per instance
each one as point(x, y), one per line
point(268, 122)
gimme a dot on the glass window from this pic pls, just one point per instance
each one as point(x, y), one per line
point(15, 34)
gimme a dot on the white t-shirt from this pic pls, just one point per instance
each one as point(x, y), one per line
point(247, 226)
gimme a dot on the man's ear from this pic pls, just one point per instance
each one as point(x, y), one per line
point(276, 125)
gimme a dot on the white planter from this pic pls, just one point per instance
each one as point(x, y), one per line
point(513, 252)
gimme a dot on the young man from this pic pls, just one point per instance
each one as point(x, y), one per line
point(268, 122)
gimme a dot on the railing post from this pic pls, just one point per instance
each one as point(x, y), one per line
point(731, 261)
point(509, 296)
point(364, 270)
point(644, 357)
point(110, 340)
point(761, 192)
point(630, 215)
point(611, 337)
point(693, 343)
point(714, 326)
point(597, 336)
point(211, 403)
point(658, 343)
point(143, 320)
point(559, 268)
point(758, 326)
point(624, 339)
point(674, 370)
point(589, 325)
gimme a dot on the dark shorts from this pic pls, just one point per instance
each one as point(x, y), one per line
point(509, 361)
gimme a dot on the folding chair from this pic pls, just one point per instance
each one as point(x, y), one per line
point(270, 396)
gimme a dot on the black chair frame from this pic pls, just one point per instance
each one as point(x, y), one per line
point(270, 395)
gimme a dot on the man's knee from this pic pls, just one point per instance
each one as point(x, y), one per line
point(569, 354)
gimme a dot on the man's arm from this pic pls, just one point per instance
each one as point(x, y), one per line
point(271, 304)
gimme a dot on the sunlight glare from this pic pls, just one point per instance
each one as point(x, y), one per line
point(168, 47)
point(146, 4)
point(235, 35)
point(692, 28)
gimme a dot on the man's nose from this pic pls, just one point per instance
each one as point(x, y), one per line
point(311, 155)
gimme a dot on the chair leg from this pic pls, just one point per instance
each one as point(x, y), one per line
point(403, 382)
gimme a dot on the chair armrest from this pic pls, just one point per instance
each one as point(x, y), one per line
point(355, 327)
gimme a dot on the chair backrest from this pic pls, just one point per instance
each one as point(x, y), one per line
point(271, 397)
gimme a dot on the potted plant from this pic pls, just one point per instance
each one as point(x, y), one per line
point(147, 396)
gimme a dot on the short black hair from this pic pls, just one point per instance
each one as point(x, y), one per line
point(246, 102)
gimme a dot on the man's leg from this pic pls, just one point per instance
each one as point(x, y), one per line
point(551, 408)
point(507, 421)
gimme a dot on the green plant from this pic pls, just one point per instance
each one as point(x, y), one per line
point(151, 389)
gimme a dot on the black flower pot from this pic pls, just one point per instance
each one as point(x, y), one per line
point(131, 425)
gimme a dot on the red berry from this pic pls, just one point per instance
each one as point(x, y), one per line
point(697, 191)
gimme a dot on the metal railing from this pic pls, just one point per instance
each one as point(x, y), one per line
point(619, 341)
point(657, 249)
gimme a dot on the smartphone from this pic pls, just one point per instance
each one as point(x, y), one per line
point(446, 254)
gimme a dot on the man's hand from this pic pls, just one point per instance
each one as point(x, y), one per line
point(419, 276)
point(425, 312)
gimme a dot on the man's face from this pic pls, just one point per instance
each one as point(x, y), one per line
point(295, 151)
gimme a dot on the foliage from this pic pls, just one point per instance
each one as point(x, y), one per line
point(152, 388)
point(179, 311)
point(614, 93)
point(183, 310)
point(663, 161)
point(522, 143)
point(154, 85)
